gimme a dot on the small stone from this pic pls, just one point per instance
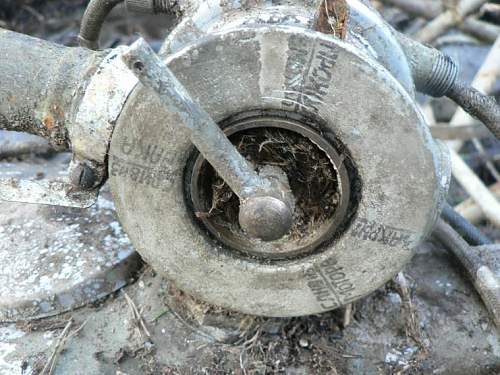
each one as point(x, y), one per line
point(304, 343)
point(272, 327)
point(393, 357)
point(339, 335)
point(395, 298)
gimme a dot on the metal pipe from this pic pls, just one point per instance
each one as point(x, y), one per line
point(150, 6)
point(42, 84)
point(433, 72)
point(481, 263)
point(436, 74)
point(92, 22)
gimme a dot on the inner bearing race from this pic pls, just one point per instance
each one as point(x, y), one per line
point(318, 178)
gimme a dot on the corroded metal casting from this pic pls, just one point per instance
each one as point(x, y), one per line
point(270, 159)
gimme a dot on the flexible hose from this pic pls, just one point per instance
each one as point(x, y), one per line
point(483, 107)
point(470, 233)
point(92, 22)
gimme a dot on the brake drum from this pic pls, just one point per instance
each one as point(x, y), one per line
point(324, 99)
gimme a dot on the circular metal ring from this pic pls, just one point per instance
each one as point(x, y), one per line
point(288, 246)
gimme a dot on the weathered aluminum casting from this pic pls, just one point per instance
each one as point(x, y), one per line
point(348, 92)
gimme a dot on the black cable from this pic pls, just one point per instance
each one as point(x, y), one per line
point(469, 232)
point(478, 105)
point(92, 22)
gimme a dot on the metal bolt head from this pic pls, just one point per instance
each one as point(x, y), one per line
point(265, 217)
point(82, 176)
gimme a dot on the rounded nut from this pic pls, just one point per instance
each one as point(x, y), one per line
point(267, 218)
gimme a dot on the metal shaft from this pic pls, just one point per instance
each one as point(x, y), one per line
point(266, 202)
point(41, 85)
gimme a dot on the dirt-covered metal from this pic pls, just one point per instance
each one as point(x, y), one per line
point(63, 258)
point(70, 96)
point(398, 173)
point(482, 264)
point(42, 84)
point(256, 191)
point(352, 86)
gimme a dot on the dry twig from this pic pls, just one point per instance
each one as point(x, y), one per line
point(430, 9)
point(475, 188)
point(63, 338)
point(136, 314)
point(470, 210)
point(448, 19)
point(332, 18)
point(348, 314)
point(412, 327)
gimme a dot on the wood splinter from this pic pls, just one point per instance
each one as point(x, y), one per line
point(332, 18)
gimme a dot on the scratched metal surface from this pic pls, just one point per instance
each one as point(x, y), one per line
point(285, 70)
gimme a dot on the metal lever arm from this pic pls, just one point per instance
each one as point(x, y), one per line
point(266, 208)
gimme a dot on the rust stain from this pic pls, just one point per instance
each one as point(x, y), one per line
point(49, 122)
point(58, 111)
point(332, 18)
point(54, 117)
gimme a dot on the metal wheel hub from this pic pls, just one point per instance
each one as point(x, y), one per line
point(317, 174)
point(387, 173)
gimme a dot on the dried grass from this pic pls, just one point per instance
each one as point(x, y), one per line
point(311, 175)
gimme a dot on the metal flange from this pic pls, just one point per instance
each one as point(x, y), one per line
point(396, 171)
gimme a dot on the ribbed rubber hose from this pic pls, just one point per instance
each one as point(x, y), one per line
point(92, 22)
point(478, 105)
point(468, 231)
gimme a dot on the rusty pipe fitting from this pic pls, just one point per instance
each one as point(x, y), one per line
point(42, 85)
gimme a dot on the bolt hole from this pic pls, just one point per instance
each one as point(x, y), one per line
point(139, 66)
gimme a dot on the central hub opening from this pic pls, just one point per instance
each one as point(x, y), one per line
point(316, 172)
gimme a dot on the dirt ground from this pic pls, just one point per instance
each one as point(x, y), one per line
point(439, 327)
point(430, 321)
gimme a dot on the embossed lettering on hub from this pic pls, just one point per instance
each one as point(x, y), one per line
point(143, 163)
point(330, 285)
point(376, 232)
point(308, 77)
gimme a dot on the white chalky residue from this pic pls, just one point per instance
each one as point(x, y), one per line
point(494, 341)
point(55, 254)
point(488, 278)
point(7, 347)
point(9, 367)
point(9, 333)
point(393, 356)
point(103, 203)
